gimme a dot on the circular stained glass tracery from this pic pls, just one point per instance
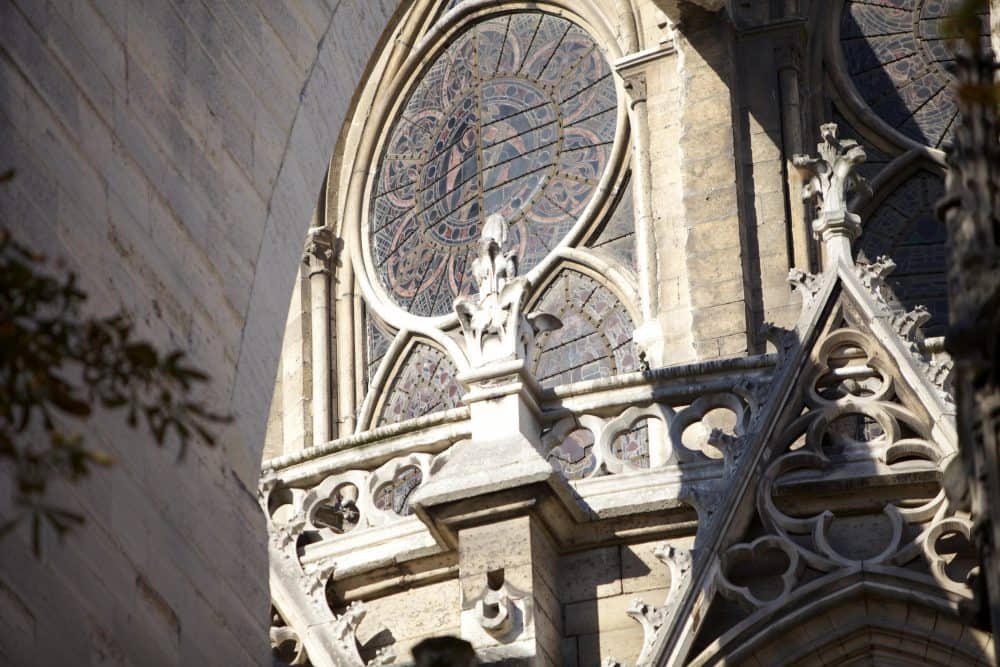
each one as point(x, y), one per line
point(896, 54)
point(517, 117)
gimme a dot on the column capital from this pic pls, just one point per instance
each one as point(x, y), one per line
point(320, 250)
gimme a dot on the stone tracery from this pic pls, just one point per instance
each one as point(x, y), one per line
point(515, 118)
point(897, 58)
point(598, 441)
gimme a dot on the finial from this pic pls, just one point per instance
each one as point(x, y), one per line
point(832, 177)
point(493, 324)
point(494, 267)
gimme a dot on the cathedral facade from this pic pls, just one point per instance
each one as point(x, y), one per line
point(593, 332)
point(618, 339)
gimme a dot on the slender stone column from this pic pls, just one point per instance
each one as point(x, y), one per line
point(346, 351)
point(319, 252)
point(649, 333)
point(791, 139)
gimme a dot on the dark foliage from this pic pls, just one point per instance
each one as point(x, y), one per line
point(57, 368)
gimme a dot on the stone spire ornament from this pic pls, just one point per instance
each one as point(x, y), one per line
point(832, 177)
point(492, 322)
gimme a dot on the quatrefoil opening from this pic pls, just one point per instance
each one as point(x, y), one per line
point(761, 572)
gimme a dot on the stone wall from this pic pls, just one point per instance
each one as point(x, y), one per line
point(171, 153)
point(596, 588)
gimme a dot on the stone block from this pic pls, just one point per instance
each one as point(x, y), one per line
point(772, 240)
point(712, 267)
point(707, 143)
point(39, 66)
point(716, 204)
point(496, 545)
point(714, 236)
point(768, 177)
point(590, 574)
point(417, 612)
point(642, 571)
point(764, 147)
point(547, 635)
point(569, 652)
point(732, 345)
point(770, 209)
point(717, 171)
point(716, 110)
point(604, 614)
point(726, 290)
point(623, 645)
point(718, 321)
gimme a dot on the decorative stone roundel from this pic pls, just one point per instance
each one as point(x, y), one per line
point(896, 55)
point(516, 116)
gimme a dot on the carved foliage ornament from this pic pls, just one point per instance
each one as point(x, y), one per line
point(493, 324)
point(830, 178)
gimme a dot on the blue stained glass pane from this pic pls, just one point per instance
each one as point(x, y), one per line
point(905, 228)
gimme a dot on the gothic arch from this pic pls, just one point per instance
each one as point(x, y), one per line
point(900, 222)
point(598, 323)
point(416, 378)
point(852, 620)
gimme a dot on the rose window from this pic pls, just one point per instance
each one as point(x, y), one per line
point(896, 54)
point(517, 116)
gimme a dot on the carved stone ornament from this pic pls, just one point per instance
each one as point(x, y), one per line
point(319, 249)
point(298, 593)
point(830, 178)
point(493, 324)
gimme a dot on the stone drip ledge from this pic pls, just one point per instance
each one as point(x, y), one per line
point(375, 435)
point(653, 494)
point(697, 371)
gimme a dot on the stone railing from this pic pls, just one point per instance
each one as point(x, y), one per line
point(658, 429)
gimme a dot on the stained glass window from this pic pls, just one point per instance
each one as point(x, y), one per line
point(517, 116)
point(632, 446)
point(425, 383)
point(574, 457)
point(618, 234)
point(394, 496)
point(896, 54)
point(905, 228)
point(595, 340)
point(378, 339)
